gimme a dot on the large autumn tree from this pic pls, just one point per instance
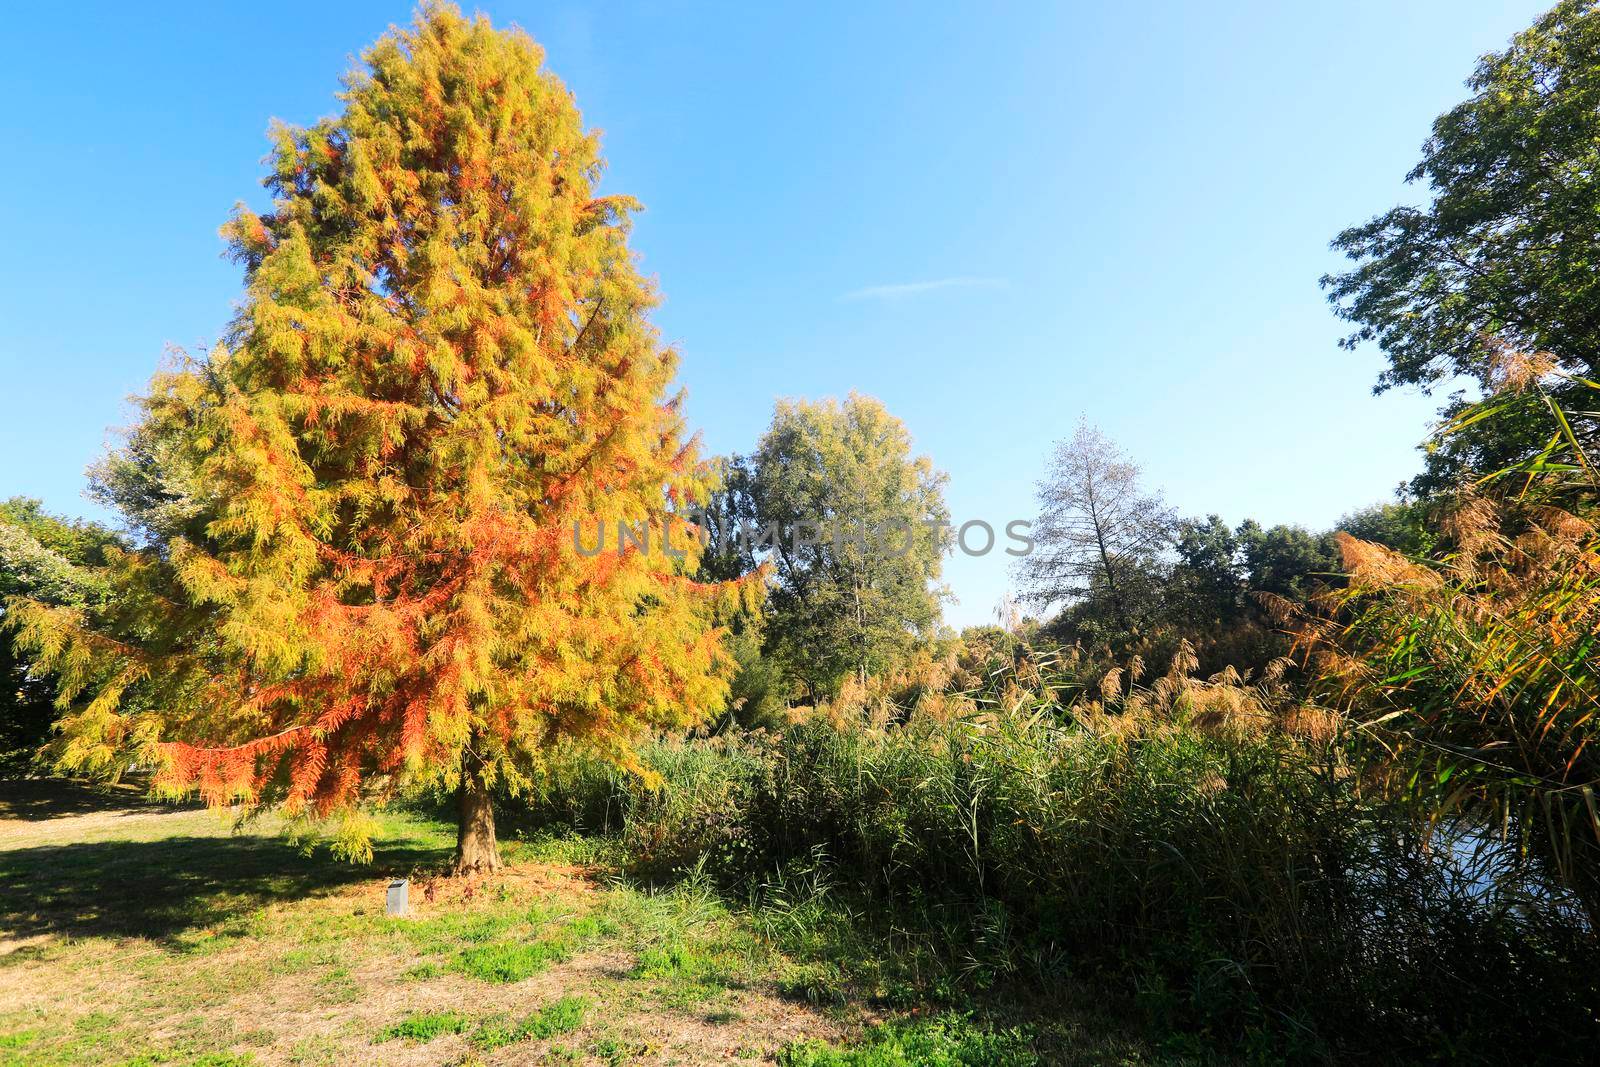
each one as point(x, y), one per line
point(359, 566)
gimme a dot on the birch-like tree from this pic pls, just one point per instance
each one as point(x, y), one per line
point(1100, 535)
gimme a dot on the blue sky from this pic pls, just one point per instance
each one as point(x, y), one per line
point(993, 217)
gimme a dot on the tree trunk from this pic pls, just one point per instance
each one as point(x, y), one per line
point(476, 849)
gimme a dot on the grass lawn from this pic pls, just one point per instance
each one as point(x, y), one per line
point(138, 934)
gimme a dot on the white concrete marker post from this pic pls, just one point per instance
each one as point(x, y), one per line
point(399, 891)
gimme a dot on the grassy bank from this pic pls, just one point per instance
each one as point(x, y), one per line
point(137, 934)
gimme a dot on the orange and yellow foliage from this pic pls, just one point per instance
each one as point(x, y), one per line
point(359, 507)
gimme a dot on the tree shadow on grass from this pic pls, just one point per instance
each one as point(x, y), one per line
point(165, 888)
point(31, 799)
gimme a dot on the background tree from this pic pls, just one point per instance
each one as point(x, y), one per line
point(50, 560)
point(360, 568)
point(854, 602)
point(1406, 526)
point(758, 693)
point(1504, 253)
point(1286, 561)
point(1211, 596)
point(1209, 577)
point(1100, 537)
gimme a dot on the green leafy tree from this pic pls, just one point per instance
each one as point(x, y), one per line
point(1407, 527)
point(1211, 598)
point(1209, 576)
point(44, 559)
point(1504, 254)
point(758, 693)
point(1286, 561)
point(853, 519)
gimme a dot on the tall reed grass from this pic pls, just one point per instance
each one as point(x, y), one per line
point(1199, 841)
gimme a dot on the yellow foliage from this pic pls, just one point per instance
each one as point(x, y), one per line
point(361, 505)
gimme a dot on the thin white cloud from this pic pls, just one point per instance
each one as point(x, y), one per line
point(895, 292)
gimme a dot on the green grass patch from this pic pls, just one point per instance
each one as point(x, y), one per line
point(508, 960)
point(948, 1041)
point(672, 960)
point(338, 986)
point(686, 975)
point(425, 1026)
point(453, 929)
point(616, 1053)
point(505, 961)
point(688, 944)
point(99, 1038)
point(554, 1019)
